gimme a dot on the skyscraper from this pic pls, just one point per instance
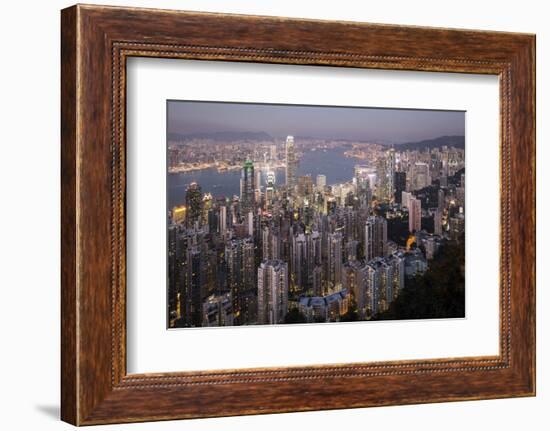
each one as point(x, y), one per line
point(299, 263)
point(222, 220)
point(385, 173)
point(193, 201)
point(239, 258)
point(291, 163)
point(415, 214)
point(334, 263)
point(272, 292)
point(305, 185)
point(376, 237)
point(400, 185)
point(269, 190)
point(195, 282)
point(321, 182)
point(421, 175)
point(247, 188)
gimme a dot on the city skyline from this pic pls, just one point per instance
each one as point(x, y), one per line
point(265, 230)
point(391, 125)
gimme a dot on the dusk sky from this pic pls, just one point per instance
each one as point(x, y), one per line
point(393, 125)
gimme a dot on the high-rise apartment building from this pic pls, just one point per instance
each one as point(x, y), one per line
point(334, 261)
point(376, 237)
point(272, 292)
point(415, 214)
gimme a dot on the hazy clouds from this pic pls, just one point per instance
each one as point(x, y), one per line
point(395, 125)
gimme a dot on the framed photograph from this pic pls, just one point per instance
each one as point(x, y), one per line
point(265, 215)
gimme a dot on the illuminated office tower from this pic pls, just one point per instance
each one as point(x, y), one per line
point(321, 182)
point(415, 214)
point(250, 223)
point(362, 172)
point(247, 188)
point(291, 163)
point(376, 237)
point(269, 190)
point(271, 179)
point(193, 201)
point(272, 292)
point(178, 214)
point(258, 186)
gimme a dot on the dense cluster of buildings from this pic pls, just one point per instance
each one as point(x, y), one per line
point(310, 249)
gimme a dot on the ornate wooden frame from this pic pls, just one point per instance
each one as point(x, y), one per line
point(95, 43)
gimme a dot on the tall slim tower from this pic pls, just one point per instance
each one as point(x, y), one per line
point(272, 292)
point(269, 190)
point(222, 220)
point(334, 273)
point(385, 173)
point(247, 188)
point(291, 163)
point(415, 214)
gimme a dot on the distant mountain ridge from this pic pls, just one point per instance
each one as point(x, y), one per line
point(231, 136)
point(222, 136)
point(450, 141)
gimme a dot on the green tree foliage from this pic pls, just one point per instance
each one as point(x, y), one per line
point(350, 316)
point(294, 316)
point(439, 293)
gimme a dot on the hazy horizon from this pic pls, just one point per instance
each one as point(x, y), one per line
point(323, 122)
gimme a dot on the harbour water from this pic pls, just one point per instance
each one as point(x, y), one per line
point(331, 163)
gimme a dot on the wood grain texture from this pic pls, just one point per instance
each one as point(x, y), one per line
point(96, 41)
point(69, 397)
